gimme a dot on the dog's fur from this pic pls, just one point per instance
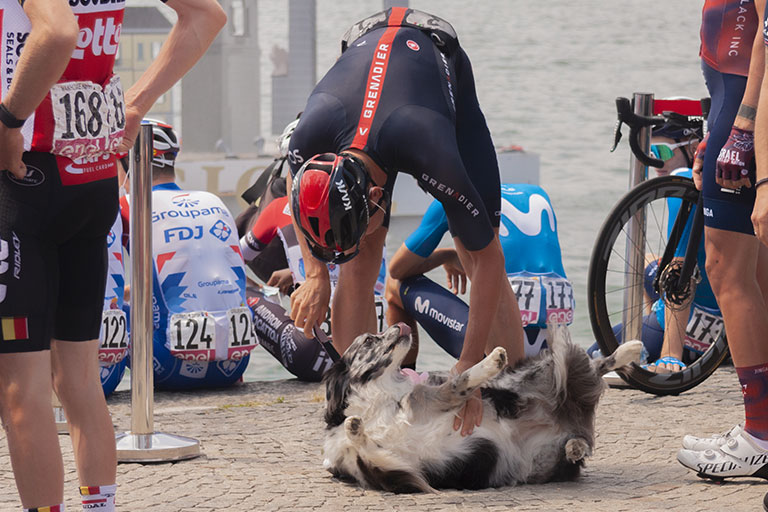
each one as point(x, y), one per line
point(386, 432)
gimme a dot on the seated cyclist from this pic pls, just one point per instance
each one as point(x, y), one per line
point(301, 355)
point(674, 336)
point(528, 235)
point(203, 330)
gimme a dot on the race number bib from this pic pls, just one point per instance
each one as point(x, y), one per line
point(528, 292)
point(559, 300)
point(89, 120)
point(702, 330)
point(113, 336)
point(192, 336)
point(242, 338)
point(379, 303)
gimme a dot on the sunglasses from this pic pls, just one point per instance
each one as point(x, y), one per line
point(331, 256)
point(664, 151)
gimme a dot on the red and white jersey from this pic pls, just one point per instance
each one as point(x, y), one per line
point(83, 116)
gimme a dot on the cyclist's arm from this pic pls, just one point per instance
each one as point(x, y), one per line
point(760, 211)
point(46, 54)
point(199, 21)
point(405, 263)
point(47, 51)
point(263, 230)
point(309, 303)
point(745, 118)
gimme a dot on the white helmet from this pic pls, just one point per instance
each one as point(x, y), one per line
point(284, 140)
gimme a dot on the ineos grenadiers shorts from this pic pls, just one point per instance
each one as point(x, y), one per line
point(53, 255)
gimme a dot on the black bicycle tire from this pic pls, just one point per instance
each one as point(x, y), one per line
point(655, 383)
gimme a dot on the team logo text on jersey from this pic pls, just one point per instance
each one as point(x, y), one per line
point(183, 233)
point(452, 193)
point(102, 39)
point(374, 85)
point(423, 306)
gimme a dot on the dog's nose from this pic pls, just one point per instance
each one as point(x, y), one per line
point(404, 329)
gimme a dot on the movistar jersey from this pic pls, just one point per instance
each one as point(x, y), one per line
point(412, 108)
point(532, 259)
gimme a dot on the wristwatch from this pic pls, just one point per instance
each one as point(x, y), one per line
point(9, 119)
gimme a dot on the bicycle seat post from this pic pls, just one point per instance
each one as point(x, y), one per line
point(635, 248)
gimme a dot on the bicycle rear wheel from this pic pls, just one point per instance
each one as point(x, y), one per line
point(614, 275)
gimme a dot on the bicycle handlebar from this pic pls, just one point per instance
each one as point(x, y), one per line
point(635, 123)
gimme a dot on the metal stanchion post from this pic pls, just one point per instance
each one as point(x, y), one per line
point(59, 416)
point(142, 443)
point(635, 249)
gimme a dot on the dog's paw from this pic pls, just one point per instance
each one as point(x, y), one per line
point(498, 358)
point(576, 449)
point(627, 353)
point(353, 426)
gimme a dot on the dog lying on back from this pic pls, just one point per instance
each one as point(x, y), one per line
point(386, 432)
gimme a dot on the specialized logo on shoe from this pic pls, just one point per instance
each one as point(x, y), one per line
point(413, 45)
point(33, 178)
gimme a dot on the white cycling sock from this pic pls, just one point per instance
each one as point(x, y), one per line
point(98, 498)
point(762, 443)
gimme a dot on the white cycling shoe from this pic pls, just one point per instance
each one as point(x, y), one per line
point(715, 441)
point(736, 456)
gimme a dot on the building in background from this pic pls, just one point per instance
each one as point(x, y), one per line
point(143, 32)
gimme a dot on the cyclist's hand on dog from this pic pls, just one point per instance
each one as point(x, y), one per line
point(470, 415)
point(736, 161)
point(309, 303)
point(698, 162)
point(457, 278)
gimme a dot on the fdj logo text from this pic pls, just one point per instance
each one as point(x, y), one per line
point(183, 233)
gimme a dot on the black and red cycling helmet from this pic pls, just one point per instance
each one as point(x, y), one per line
point(330, 203)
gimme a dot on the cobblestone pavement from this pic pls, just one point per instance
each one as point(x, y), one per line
point(261, 443)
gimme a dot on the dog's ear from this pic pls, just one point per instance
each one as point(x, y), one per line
point(336, 381)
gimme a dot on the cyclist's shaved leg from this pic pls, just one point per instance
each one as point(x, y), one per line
point(507, 326)
point(731, 262)
point(353, 311)
point(762, 271)
point(75, 366)
point(396, 313)
point(27, 416)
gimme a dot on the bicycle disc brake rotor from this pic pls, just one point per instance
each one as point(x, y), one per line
point(676, 294)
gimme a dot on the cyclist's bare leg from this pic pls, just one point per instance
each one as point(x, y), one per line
point(396, 313)
point(675, 322)
point(732, 260)
point(77, 384)
point(27, 416)
point(353, 311)
point(762, 271)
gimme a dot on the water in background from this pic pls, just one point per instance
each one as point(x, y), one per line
point(547, 74)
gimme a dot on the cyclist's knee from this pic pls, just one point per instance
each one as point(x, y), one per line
point(392, 293)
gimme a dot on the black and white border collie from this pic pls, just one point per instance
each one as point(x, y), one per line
point(385, 431)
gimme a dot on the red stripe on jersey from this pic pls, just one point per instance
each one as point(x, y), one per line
point(20, 327)
point(376, 76)
point(163, 258)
